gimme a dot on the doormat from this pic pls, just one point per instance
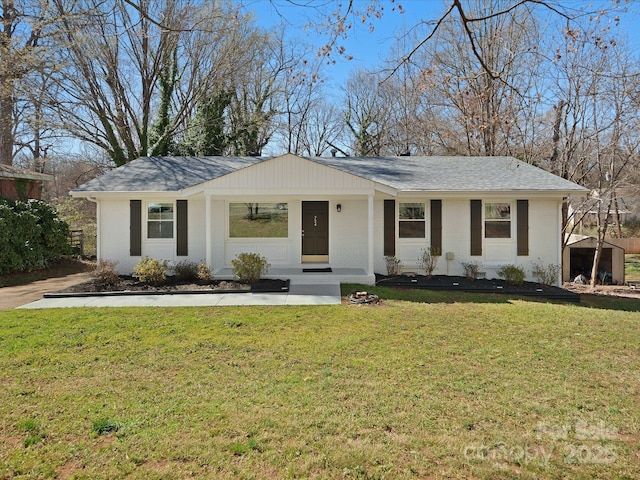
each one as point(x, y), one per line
point(316, 270)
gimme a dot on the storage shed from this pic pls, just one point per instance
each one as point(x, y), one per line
point(577, 259)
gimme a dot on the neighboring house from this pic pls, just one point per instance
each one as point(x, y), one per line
point(346, 213)
point(19, 184)
point(578, 260)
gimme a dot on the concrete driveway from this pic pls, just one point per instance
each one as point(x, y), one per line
point(12, 297)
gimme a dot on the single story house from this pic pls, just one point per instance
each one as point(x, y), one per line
point(578, 260)
point(20, 184)
point(342, 213)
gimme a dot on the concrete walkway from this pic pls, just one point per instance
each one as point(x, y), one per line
point(324, 294)
point(12, 297)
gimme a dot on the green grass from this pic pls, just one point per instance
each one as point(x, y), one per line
point(632, 268)
point(426, 385)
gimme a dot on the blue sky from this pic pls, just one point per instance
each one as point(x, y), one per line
point(369, 49)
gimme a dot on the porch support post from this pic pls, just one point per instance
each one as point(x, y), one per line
point(370, 233)
point(207, 228)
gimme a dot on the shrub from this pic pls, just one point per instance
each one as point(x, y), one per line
point(249, 267)
point(105, 275)
point(393, 265)
point(152, 271)
point(204, 272)
point(31, 235)
point(185, 270)
point(428, 259)
point(471, 270)
point(546, 274)
point(513, 274)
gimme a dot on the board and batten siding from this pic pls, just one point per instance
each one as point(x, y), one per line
point(289, 174)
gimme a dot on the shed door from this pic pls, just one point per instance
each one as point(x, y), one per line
point(315, 232)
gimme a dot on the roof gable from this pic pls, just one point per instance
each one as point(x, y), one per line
point(289, 173)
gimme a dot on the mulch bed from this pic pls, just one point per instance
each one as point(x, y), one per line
point(481, 285)
point(131, 286)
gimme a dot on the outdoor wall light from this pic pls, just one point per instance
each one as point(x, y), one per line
point(339, 207)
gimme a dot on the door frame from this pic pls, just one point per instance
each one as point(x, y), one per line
point(315, 258)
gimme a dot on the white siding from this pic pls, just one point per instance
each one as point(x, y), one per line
point(289, 174)
point(114, 234)
point(348, 243)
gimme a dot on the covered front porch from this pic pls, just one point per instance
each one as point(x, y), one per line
point(302, 275)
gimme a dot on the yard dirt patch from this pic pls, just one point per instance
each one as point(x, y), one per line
point(607, 290)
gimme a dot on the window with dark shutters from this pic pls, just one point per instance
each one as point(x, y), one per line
point(476, 227)
point(389, 228)
point(436, 224)
point(182, 230)
point(522, 227)
point(135, 228)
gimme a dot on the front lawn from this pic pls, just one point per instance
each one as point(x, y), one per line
point(461, 387)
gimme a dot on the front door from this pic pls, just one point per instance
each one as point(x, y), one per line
point(315, 232)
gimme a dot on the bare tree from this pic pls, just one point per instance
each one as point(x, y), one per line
point(367, 114)
point(116, 59)
point(25, 59)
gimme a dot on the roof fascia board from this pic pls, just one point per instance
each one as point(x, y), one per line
point(132, 194)
point(492, 193)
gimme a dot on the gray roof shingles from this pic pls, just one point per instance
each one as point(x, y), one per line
point(165, 174)
point(456, 174)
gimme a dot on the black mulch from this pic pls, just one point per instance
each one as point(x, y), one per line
point(481, 285)
point(131, 286)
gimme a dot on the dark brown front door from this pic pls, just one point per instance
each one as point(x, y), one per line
point(315, 231)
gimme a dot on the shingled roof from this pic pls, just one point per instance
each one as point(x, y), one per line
point(165, 174)
point(419, 174)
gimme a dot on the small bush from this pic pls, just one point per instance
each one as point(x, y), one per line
point(393, 265)
point(104, 426)
point(204, 272)
point(546, 274)
point(185, 270)
point(152, 271)
point(513, 274)
point(105, 275)
point(249, 267)
point(428, 259)
point(471, 270)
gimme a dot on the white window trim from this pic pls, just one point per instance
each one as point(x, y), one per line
point(248, 240)
point(416, 240)
point(146, 222)
point(512, 219)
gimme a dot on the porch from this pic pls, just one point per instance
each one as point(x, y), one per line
point(310, 275)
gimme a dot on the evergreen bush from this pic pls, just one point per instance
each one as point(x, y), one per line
point(31, 235)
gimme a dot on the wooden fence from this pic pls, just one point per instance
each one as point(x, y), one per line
point(630, 245)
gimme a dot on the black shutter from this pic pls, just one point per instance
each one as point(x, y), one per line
point(476, 227)
point(135, 228)
point(389, 228)
point(522, 230)
point(436, 225)
point(182, 231)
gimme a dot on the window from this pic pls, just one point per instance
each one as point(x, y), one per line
point(258, 220)
point(497, 220)
point(160, 220)
point(411, 220)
